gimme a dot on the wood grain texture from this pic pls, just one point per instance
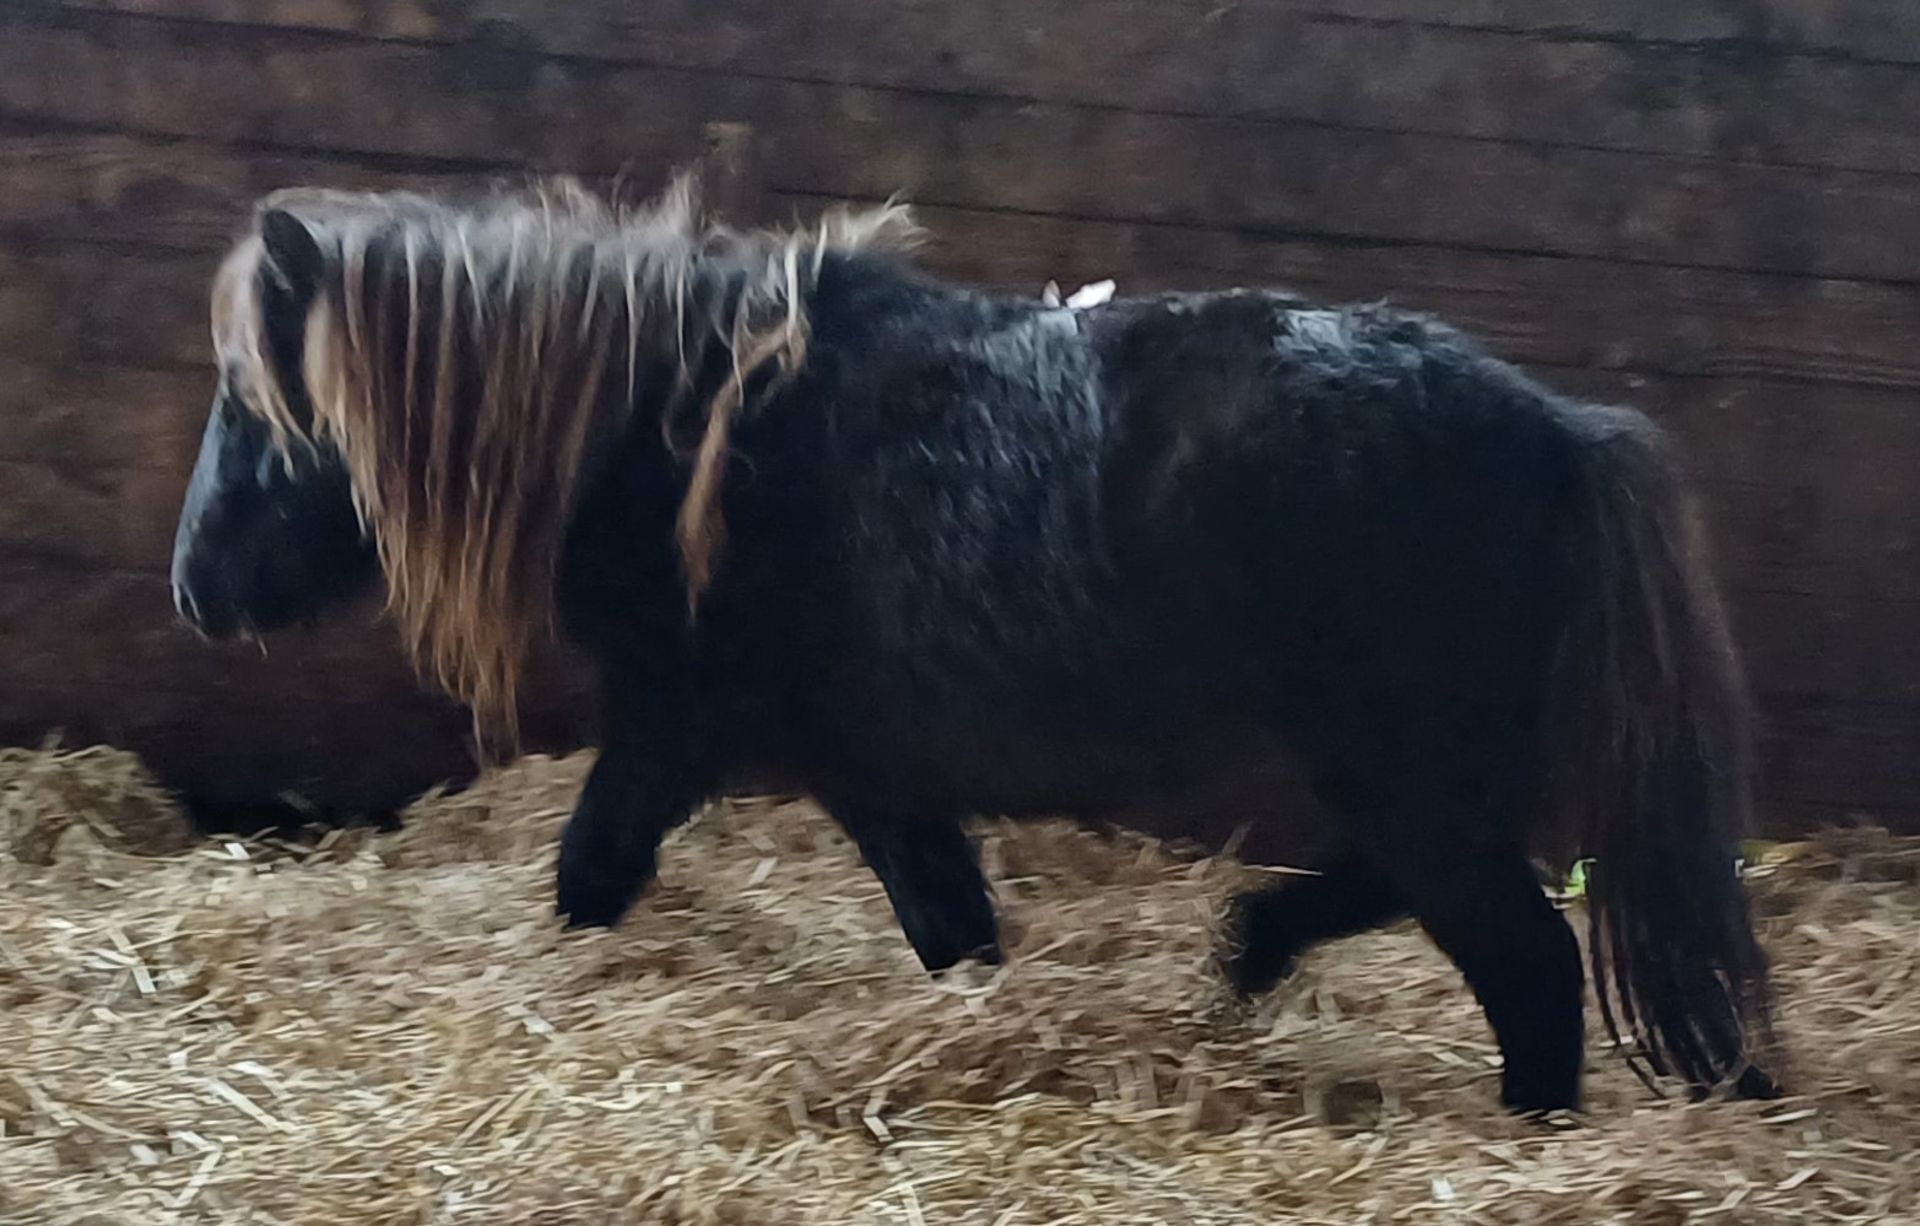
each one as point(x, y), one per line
point(57, 512)
point(77, 418)
point(229, 748)
point(481, 104)
point(77, 200)
point(1805, 484)
point(1881, 31)
point(1557, 311)
point(333, 713)
point(1886, 31)
point(1702, 209)
point(1706, 88)
point(230, 721)
point(1809, 477)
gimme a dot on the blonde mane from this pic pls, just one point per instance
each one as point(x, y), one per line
point(468, 362)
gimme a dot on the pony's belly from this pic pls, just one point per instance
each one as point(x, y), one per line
point(1219, 787)
point(1260, 805)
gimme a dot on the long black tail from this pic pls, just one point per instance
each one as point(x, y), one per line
point(1653, 766)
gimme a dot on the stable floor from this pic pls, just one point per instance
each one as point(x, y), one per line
point(393, 1029)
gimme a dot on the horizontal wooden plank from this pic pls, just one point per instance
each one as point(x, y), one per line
point(478, 105)
point(1551, 311)
point(1809, 487)
point(1817, 595)
point(70, 512)
point(1834, 635)
point(1814, 648)
point(1873, 30)
point(213, 748)
point(491, 105)
point(1741, 100)
point(76, 418)
point(167, 192)
point(1821, 763)
point(1813, 483)
point(72, 308)
point(99, 627)
point(68, 187)
point(1857, 757)
point(67, 289)
point(1391, 139)
point(335, 713)
point(1870, 30)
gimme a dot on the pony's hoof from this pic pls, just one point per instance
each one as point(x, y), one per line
point(570, 922)
point(944, 950)
point(1560, 1119)
point(940, 963)
point(1755, 1084)
point(590, 900)
point(948, 930)
point(576, 920)
point(1547, 1104)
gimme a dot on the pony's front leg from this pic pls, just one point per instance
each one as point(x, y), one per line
point(633, 797)
point(932, 876)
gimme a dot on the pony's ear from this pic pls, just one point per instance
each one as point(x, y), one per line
point(290, 267)
point(293, 257)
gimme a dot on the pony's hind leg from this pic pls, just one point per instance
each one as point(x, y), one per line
point(1268, 929)
point(932, 876)
point(1483, 905)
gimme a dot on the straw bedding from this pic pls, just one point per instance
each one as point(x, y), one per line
point(391, 1028)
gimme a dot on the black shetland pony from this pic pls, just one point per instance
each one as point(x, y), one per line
point(825, 523)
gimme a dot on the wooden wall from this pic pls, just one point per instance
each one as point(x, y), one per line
point(1709, 209)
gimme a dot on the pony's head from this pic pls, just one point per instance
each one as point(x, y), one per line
point(269, 534)
point(424, 389)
